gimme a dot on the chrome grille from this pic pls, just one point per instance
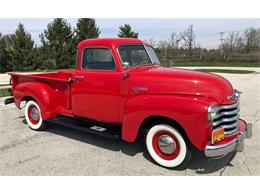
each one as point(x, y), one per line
point(227, 117)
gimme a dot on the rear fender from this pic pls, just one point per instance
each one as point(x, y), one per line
point(188, 111)
point(42, 93)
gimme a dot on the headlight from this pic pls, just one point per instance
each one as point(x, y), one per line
point(212, 112)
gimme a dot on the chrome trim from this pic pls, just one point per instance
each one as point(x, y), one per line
point(232, 97)
point(212, 110)
point(148, 53)
point(249, 132)
point(167, 144)
point(35, 114)
point(228, 113)
point(227, 126)
point(235, 118)
point(229, 106)
point(235, 95)
point(230, 133)
point(223, 149)
point(140, 89)
point(220, 150)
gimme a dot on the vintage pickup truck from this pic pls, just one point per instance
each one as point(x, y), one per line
point(119, 89)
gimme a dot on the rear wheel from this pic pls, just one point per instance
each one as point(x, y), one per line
point(33, 116)
point(167, 147)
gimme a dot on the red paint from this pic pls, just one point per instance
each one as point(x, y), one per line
point(108, 96)
point(30, 115)
point(161, 153)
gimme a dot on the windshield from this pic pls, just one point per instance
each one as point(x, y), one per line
point(137, 55)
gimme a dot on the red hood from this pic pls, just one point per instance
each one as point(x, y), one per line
point(164, 80)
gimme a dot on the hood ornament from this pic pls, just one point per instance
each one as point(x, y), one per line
point(234, 96)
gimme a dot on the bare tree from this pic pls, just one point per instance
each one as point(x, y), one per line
point(188, 36)
point(164, 47)
point(231, 41)
point(174, 43)
point(252, 39)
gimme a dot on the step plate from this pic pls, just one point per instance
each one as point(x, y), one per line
point(109, 131)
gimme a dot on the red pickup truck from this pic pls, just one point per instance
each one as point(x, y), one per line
point(119, 89)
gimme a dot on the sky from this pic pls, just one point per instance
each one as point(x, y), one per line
point(206, 30)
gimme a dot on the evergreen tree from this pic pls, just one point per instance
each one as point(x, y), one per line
point(22, 51)
point(86, 29)
point(58, 44)
point(3, 54)
point(126, 32)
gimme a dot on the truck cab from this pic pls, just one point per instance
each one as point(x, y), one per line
point(120, 89)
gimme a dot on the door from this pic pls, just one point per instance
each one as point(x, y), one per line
point(96, 87)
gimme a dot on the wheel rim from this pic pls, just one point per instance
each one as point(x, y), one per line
point(34, 114)
point(166, 145)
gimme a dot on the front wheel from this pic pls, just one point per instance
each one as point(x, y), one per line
point(33, 116)
point(167, 147)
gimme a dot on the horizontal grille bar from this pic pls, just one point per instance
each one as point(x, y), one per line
point(231, 132)
point(227, 126)
point(233, 119)
point(229, 106)
point(233, 112)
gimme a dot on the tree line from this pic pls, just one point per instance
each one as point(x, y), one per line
point(240, 46)
point(18, 51)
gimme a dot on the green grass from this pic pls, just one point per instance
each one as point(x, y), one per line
point(231, 71)
point(218, 64)
point(3, 85)
point(4, 92)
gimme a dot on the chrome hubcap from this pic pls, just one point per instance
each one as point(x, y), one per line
point(167, 144)
point(35, 114)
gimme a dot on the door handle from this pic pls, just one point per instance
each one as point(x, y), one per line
point(78, 78)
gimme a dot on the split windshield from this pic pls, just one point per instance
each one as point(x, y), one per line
point(137, 55)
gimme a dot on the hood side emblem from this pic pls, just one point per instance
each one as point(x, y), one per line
point(137, 89)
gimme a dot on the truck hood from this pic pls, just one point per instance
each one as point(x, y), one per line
point(163, 80)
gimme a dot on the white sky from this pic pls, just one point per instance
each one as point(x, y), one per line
point(206, 30)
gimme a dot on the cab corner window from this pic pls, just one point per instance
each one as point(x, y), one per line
point(98, 59)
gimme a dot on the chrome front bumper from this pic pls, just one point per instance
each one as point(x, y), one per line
point(236, 144)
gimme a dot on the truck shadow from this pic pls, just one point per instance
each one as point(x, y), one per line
point(203, 165)
point(199, 163)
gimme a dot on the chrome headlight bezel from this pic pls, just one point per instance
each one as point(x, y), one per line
point(212, 112)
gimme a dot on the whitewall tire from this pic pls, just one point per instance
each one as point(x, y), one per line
point(166, 146)
point(33, 116)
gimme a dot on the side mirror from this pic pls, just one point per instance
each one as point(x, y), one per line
point(126, 65)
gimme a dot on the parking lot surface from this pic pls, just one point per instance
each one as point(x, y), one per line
point(64, 151)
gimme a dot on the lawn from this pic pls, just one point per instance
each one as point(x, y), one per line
point(217, 64)
point(4, 92)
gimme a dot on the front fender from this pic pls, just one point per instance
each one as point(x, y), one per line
point(190, 112)
point(43, 94)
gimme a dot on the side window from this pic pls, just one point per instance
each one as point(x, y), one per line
point(98, 59)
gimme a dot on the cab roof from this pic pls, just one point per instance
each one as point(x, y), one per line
point(109, 42)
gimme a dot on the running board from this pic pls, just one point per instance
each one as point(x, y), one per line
point(108, 131)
